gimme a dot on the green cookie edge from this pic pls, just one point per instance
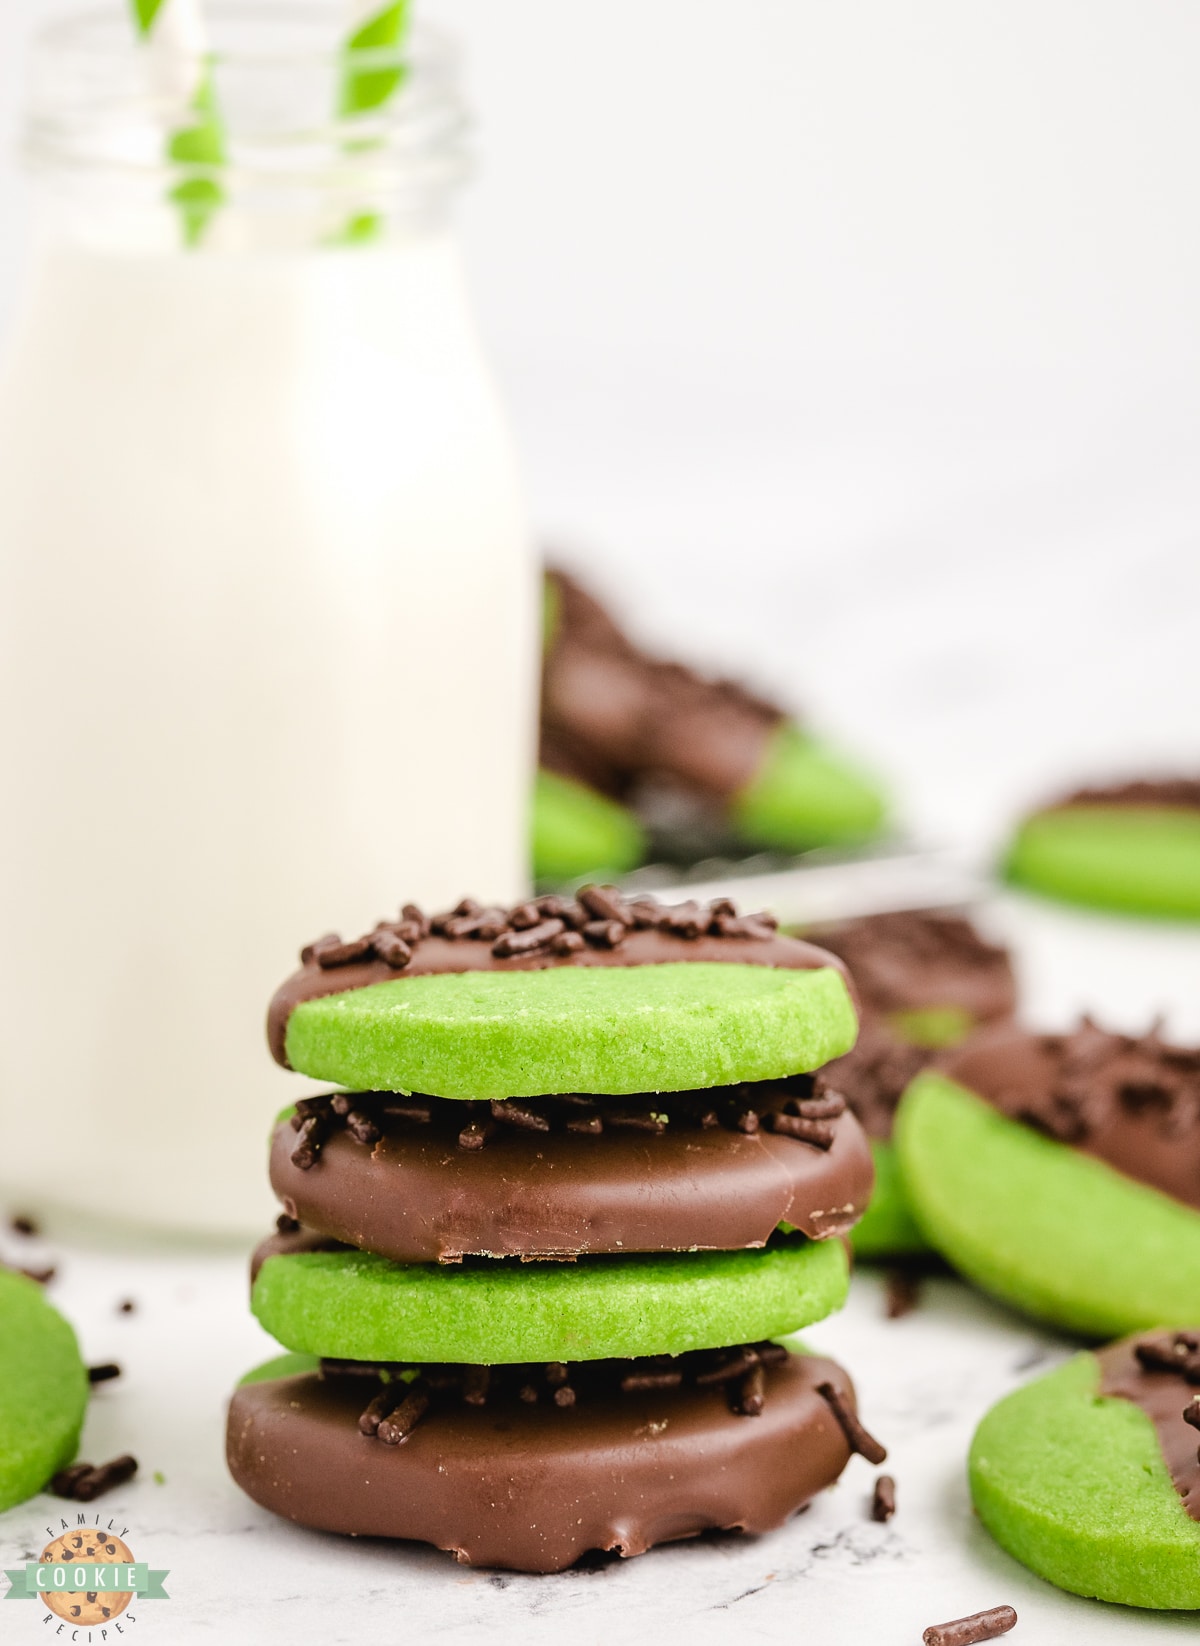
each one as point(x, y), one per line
point(575, 831)
point(1075, 1487)
point(887, 1228)
point(1055, 1233)
point(805, 795)
point(43, 1390)
point(1129, 859)
point(355, 1306)
point(612, 1031)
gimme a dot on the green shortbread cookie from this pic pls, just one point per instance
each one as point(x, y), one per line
point(1135, 859)
point(43, 1390)
point(1074, 1485)
point(603, 1029)
point(887, 1227)
point(1054, 1232)
point(578, 832)
point(355, 1306)
point(805, 795)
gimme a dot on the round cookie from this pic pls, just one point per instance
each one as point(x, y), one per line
point(1133, 848)
point(926, 981)
point(1057, 1229)
point(601, 1029)
point(43, 1390)
point(613, 1470)
point(578, 831)
point(1088, 1476)
point(804, 795)
point(423, 1181)
point(353, 1305)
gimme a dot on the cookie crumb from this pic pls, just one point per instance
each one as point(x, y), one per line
point(966, 1631)
point(883, 1499)
point(23, 1225)
point(126, 1306)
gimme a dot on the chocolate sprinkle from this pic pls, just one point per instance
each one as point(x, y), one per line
point(82, 1483)
point(802, 1110)
point(104, 1373)
point(404, 1417)
point(409, 1390)
point(966, 1631)
point(23, 1225)
point(883, 1499)
point(903, 1293)
point(40, 1277)
point(510, 1113)
point(600, 915)
point(1177, 1352)
point(858, 1439)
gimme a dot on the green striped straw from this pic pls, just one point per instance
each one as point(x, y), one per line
point(174, 32)
point(367, 84)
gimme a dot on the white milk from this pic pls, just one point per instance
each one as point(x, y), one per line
point(268, 666)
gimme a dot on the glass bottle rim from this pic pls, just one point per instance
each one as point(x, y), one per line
point(97, 105)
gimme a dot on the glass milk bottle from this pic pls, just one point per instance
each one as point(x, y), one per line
point(267, 600)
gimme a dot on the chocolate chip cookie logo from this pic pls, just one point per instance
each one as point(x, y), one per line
point(88, 1577)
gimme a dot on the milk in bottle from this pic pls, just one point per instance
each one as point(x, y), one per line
point(266, 607)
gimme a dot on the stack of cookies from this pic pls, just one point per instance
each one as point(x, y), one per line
point(537, 1249)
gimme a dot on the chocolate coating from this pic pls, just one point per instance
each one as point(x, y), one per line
point(1163, 1397)
point(1166, 791)
point(416, 1196)
point(913, 960)
point(611, 712)
point(1133, 1102)
point(904, 962)
point(437, 955)
point(532, 1488)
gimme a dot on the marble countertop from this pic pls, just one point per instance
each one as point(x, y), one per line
point(831, 1576)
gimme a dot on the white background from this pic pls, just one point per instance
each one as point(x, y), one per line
point(855, 347)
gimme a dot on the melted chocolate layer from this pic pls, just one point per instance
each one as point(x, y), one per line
point(532, 1488)
point(912, 961)
point(1163, 1396)
point(1166, 791)
point(435, 955)
point(908, 962)
point(416, 1196)
point(1133, 1102)
point(611, 712)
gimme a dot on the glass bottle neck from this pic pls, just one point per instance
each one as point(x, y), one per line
point(280, 134)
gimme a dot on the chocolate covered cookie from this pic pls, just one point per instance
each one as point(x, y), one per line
point(1132, 847)
point(530, 1467)
point(596, 994)
point(1062, 1173)
point(618, 719)
point(925, 981)
point(542, 1251)
point(1089, 1475)
point(567, 1176)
